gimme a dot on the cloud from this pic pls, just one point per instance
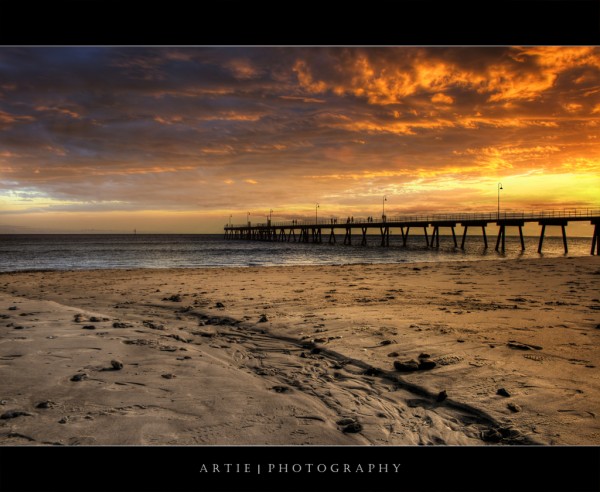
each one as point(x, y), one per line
point(304, 99)
point(441, 98)
point(392, 76)
point(7, 119)
point(242, 68)
point(58, 110)
point(182, 129)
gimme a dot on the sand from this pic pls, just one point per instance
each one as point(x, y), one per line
point(304, 355)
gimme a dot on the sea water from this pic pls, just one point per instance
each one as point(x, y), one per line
point(101, 251)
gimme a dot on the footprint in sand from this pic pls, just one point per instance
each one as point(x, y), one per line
point(79, 377)
point(13, 414)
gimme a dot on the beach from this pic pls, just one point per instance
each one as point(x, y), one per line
point(458, 353)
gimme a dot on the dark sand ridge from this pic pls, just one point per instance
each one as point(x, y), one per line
point(323, 363)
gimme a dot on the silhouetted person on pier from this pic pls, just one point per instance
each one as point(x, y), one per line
point(348, 221)
point(353, 219)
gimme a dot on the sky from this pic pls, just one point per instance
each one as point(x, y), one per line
point(178, 140)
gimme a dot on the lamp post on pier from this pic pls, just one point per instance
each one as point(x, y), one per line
point(383, 208)
point(230, 223)
point(248, 217)
point(499, 188)
point(317, 214)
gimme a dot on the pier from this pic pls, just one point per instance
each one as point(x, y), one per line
point(312, 230)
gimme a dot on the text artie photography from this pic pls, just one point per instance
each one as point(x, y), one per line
point(299, 468)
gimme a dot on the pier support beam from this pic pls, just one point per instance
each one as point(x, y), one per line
point(303, 235)
point(521, 237)
point(596, 238)
point(348, 236)
point(501, 235)
point(364, 236)
point(385, 235)
point(466, 225)
point(404, 236)
point(556, 222)
point(436, 233)
point(502, 232)
point(541, 239)
point(408, 225)
point(316, 235)
point(462, 244)
point(332, 237)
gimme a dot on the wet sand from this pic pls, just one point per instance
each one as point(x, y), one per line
point(489, 352)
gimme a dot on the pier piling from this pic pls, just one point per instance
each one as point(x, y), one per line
point(556, 222)
point(596, 238)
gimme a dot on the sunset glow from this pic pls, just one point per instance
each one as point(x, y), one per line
point(179, 139)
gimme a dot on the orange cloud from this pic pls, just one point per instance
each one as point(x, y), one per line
point(303, 99)
point(436, 124)
point(441, 98)
point(306, 80)
point(560, 58)
point(8, 119)
point(9, 155)
point(224, 150)
point(56, 109)
point(511, 151)
point(523, 75)
point(242, 68)
point(573, 107)
point(137, 170)
point(168, 120)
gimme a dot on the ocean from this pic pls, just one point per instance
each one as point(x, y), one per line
point(122, 251)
